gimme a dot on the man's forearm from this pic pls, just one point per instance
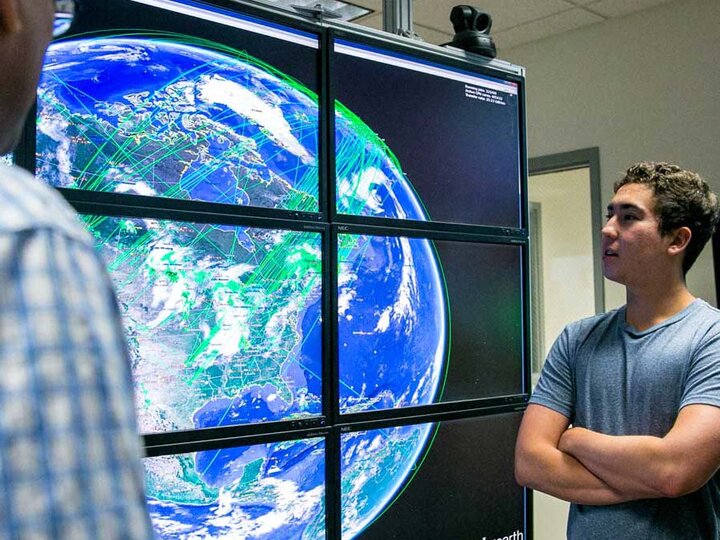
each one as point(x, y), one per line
point(635, 465)
point(539, 464)
point(561, 475)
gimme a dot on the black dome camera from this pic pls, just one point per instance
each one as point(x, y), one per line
point(472, 31)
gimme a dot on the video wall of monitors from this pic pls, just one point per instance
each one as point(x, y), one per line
point(316, 235)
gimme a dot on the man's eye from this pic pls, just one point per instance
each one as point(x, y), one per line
point(629, 217)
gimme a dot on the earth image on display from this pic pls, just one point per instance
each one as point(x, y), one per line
point(224, 322)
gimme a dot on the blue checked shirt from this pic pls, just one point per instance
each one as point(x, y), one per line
point(69, 450)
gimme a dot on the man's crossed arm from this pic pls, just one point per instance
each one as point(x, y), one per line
point(586, 467)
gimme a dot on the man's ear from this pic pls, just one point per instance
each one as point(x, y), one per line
point(680, 238)
point(10, 21)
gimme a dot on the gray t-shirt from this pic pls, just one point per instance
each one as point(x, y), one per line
point(607, 377)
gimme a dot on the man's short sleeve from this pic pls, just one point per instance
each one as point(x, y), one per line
point(702, 385)
point(555, 389)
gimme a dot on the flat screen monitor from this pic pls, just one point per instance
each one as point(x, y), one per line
point(182, 100)
point(452, 479)
point(223, 322)
point(420, 140)
point(268, 490)
point(424, 320)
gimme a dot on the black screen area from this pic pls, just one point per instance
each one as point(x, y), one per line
point(452, 139)
point(485, 299)
point(423, 321)
point(461, 485)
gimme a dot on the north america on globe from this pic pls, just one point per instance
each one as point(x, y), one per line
point(224, 322)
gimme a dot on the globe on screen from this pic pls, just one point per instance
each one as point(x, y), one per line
point(224, 322)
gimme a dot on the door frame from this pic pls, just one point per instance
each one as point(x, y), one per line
point(584, 158)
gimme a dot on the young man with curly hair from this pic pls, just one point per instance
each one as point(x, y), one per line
point(625, 420)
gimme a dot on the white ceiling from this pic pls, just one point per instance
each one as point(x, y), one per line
point(515, 22)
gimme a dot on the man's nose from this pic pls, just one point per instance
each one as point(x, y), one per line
point(609, 229)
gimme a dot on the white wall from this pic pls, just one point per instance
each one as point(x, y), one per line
point(566, 247)
point(642, 87)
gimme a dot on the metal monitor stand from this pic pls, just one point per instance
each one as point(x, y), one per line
point(398, 17)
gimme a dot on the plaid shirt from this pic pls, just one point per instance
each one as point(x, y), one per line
point(69, 450)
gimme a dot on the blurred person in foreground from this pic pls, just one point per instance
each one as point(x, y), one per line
point(625, 420)
point(69, 450)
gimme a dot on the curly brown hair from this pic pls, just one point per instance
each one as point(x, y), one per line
point(682, 199)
